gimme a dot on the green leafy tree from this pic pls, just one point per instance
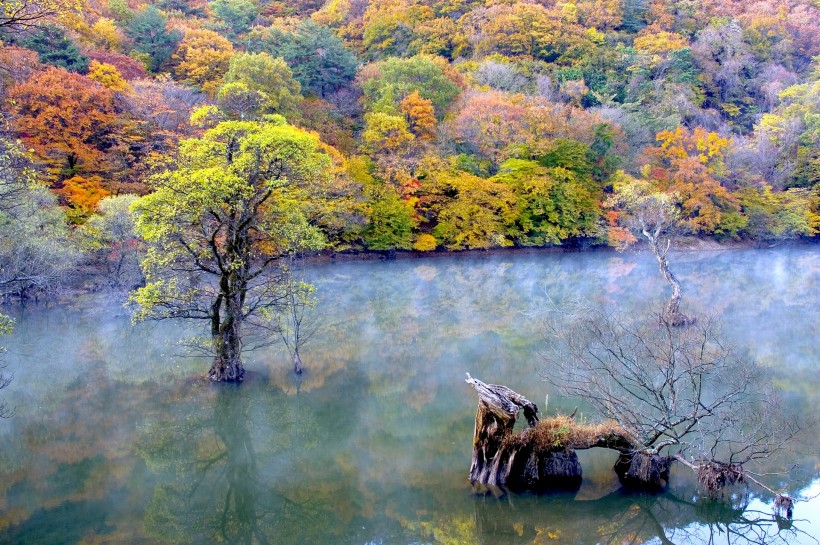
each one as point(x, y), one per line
point(55, 48)
point(261, 73)
point(468, 212)
point(390, 81)
point(218, 226)
point(552, 202)
point(36, 252)
point(237, 14)
point(111, 234)
point(319, 59)
point(390, 222)
point(148, 28)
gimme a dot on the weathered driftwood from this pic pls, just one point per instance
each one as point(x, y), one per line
point(504, 459)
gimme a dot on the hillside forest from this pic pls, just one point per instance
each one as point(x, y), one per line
point(432, 125)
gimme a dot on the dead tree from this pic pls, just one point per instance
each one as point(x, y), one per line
point(675, 395)
point(654, 217)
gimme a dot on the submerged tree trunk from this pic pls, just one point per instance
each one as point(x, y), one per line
point(672, 312)
point(643, 471)
point(227, 342)
point(543, 456)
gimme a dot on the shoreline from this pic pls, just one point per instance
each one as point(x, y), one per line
point(684, 244)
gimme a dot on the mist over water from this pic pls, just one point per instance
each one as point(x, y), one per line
point(116, 441)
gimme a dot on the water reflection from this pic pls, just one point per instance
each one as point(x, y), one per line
point(114, 442)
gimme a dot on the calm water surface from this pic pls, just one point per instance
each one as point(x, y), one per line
point(115, 440)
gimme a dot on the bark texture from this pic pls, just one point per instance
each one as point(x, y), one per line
point(504, 459)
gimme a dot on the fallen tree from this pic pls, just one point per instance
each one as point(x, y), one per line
point(543, 455)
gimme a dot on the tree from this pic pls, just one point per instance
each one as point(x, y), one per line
point(663, 395)
point(237, 14)
point(111, 234)
point(55, 48)
point(319, 59)
point(82, 195)
point(686, 165)
point(36, 253)
point(68, 119)
point(673, 394)
point(650, 214)
point(149, 30)
point(272, 77)
point(108, 76)
point(526, 29)
point(20, 14)
point(390, 222)
point(387, 83)
point(217, 227)
point(553, 204)
point(6, 327)
point(202, 59)
point(421, 115)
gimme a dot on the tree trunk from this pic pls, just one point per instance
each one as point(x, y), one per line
point(501, 458)
point(641, 471)
point(227, 339)
point(672, 312)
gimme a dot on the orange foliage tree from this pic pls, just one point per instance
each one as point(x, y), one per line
point(68, 119)
point(687, 165)
point(82, 195)
point(420, 114)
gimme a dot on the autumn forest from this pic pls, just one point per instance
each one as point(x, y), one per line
point(443, 124)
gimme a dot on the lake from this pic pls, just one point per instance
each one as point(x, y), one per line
point(117, 440)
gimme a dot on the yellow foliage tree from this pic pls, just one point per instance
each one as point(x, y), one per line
point(108, 76)
point(106, 34)
point(202, 58)
point(420, 114)
point(385, 133)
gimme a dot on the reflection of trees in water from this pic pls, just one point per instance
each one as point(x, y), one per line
point(626, 518)
point(233, 466)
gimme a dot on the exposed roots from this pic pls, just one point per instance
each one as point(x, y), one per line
point(643, 471)
point(784, 506)
point(715, 476)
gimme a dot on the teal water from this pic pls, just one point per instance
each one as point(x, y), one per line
point(116, 440)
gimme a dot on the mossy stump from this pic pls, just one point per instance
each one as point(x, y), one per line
point(502, 458)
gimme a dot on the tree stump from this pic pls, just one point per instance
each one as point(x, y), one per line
point(640, 471)
point(502, 458)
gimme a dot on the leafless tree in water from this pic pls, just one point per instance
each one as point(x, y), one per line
point(679, 395)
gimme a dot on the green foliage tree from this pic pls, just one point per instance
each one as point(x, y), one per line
point(217, 227)
point(390, 222)
point(467, 212)
point(553, 204)
point(237, 14)
point(394, 79)
point(261, 73)
point(319, 59)
point(111, 235)
point(148, 28)
point(55, 48)
point(36, 251)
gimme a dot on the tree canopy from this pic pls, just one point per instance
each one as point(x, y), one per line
point(217, 226)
